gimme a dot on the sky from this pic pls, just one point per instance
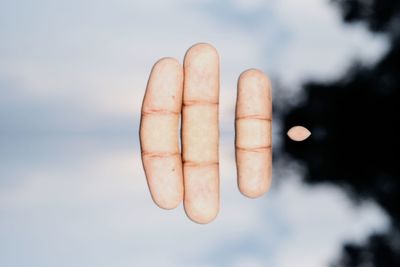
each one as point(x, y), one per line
point(72, 78)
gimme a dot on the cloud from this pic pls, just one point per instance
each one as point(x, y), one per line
point(57, 55)
point(301, 40)
point(99, 65)
point(82, 66)
point(91, 197)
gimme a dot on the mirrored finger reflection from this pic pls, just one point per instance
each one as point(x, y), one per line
point(86, 196)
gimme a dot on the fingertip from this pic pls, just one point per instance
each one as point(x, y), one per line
point(202, 52)
point(298, 133)
point(167, 205)
point(167, 62)
point(202, 47)
point(200, 216)
point(252, 191)
point(167, 200)
point(253, 74)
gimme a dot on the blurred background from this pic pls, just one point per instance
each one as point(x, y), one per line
point(72, 78)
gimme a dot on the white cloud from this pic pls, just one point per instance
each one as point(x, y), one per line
point(102, 64)
point(250, 5)
point(95, 202)
point(102, 198)
point(319, 46)
point(248, 262)
point(321, 218)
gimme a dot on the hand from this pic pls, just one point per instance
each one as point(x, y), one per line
point(193, 91)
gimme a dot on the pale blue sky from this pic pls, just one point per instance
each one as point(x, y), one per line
point(72, 189)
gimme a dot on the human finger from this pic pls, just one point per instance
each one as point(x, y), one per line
point(159, 136)
point(200, 133)
point(253, 138)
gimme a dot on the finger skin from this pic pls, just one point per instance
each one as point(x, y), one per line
point(159, 133)
point(200, 133)
point(253, 133)
point(298, 133)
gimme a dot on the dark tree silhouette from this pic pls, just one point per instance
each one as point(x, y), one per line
point(355, 142)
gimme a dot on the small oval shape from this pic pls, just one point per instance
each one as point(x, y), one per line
point(298, 133)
